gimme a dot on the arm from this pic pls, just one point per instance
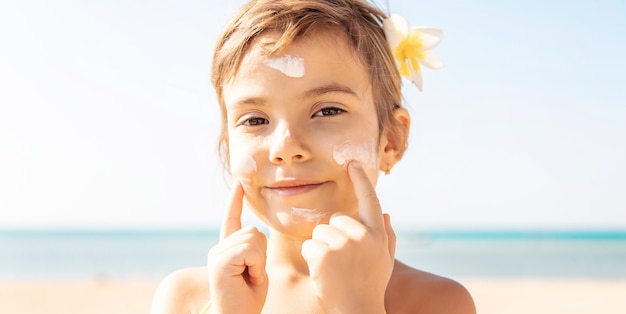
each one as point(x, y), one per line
point(183, 291)
point(415, 291)
point(234, 280)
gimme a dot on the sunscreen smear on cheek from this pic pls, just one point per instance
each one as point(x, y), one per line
point(364, 152)
point(289, 65)
point(243, 167)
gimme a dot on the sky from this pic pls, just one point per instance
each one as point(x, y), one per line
point(108, 118)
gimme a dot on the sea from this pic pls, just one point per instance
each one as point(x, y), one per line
point(141, 254)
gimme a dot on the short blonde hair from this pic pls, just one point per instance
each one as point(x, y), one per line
point(359, 21)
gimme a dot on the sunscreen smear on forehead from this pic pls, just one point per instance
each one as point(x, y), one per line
point(289, 65)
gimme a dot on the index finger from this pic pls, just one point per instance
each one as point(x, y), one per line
point(232, 217)
point(369, 206)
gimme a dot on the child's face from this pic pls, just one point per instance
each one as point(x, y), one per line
point(294, 120)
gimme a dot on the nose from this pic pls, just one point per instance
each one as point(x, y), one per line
point(288, 146)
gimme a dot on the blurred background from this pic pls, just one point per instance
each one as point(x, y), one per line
point(515, 169)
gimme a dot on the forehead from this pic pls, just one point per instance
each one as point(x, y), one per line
point(327, 58)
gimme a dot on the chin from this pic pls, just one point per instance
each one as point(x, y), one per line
point(299, 217)
point(298, 221)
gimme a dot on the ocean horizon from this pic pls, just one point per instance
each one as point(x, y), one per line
point(36, 254)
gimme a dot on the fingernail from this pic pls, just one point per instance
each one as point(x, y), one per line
point(356, 164)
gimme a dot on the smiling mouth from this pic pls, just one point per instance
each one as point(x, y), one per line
point(295, 189)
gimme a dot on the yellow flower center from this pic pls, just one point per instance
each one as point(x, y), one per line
point(409, 51)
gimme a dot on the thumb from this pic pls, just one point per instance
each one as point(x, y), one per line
point(391, 236)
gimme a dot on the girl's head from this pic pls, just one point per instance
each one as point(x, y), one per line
point(356, 21)
point(304, 87)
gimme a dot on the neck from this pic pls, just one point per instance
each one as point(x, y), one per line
point(284, 253)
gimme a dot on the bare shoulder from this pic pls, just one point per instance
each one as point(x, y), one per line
point(414, 291)
point(183, 291)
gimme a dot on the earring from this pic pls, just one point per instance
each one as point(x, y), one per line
point(388, 170)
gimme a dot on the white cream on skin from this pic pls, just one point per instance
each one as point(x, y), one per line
point(289, 65)
point(280, 135)
point(308, 214)
point(364, 152)
point(243, 167)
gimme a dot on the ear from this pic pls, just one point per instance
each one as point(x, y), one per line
point(394, 139)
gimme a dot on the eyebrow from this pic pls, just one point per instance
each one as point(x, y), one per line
point(312, 93)
point(249, 101)
point(329, 88)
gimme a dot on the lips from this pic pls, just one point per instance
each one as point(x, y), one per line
point(289, 188)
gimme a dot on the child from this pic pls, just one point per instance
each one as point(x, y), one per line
point(311, 111)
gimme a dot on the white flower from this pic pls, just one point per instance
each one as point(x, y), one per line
point(412, 47)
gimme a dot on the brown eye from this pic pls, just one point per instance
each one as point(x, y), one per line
point(328, 111)
point(255, 121)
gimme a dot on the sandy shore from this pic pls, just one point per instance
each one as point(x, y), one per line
point(492, 296)
point(572, 296)
point(84, 297)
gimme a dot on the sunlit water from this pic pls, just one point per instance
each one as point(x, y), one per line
point(153, 254)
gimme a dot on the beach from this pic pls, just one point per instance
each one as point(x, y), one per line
point(541, 295)
point(491, 295)
point(82, 272)
point(84, 297)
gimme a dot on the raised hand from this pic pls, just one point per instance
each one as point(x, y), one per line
point(350, 261)
point(236, 265)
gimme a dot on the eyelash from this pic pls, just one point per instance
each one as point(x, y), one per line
point(325, 112)
point(256, 120)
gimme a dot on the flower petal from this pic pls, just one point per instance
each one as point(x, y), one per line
point(431, 60)
point(416, 77)
point(430, 36)
point(396, 28)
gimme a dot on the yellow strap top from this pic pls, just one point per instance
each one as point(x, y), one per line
point(207, 308)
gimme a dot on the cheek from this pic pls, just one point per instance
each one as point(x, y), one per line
point(363, 152)
point(243, 165)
